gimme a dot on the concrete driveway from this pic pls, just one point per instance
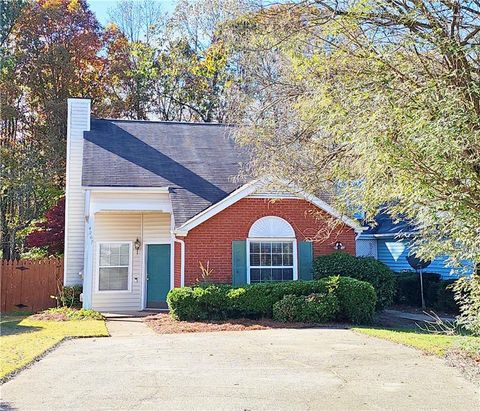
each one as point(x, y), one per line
point(317, 369)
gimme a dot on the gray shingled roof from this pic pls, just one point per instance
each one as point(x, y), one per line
point(199, 162)
point(385, 225)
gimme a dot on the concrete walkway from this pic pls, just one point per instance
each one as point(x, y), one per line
point(295, 369)
point(119, 325)
point(420, 317)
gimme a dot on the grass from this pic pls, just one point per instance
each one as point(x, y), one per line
point(23, 339)
point(436, 344)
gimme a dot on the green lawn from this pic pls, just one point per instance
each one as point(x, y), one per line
point(431, 343)
point(23, 339)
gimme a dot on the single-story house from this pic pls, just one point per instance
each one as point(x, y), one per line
point(389, 242)
point(148, 203)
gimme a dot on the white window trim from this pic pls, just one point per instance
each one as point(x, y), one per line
point(273, 240)
point(97, 270)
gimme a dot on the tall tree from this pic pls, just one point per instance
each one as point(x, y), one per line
point(377, 103)
point(139, 20)
point(53, 48)
point(131, 71)
point(58, 44)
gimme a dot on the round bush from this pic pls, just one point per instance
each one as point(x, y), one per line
point(357, 300)
point(313, 308)
point(361, 268)
point(183, 304)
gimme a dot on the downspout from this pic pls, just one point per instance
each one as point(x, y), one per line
point(182, 260)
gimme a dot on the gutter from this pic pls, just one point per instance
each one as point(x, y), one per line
point(182, 260)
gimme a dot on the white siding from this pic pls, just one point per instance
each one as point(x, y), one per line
point(130, 200)
point(78, 122)
point(156, 227)
point(127, 227)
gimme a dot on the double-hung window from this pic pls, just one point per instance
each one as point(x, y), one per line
point(114, 266)
point(271, 251)
point(271, 261)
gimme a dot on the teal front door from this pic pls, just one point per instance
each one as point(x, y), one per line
point(158, 275)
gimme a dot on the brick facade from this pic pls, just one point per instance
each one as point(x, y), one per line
point(211, 241)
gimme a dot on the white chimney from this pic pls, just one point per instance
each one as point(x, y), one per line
point(78, 121)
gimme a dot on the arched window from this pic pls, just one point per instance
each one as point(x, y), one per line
point(272, 251)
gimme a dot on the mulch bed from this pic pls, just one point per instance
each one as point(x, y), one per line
point(165, 324)
point(49, 316)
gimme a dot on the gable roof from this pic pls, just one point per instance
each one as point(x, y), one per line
point(198, 161)
point(250, 188)
point(385, 226)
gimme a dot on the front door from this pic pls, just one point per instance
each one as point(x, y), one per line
point(158, 275)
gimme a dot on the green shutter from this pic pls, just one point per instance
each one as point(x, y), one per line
point(305, 260)
point(239, 262)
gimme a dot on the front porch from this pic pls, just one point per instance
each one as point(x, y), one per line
point(129, 251)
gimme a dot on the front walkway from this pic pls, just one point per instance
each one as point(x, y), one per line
point(318, 369)
point(128, 327)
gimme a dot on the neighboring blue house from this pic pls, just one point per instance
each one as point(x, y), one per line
point(389, 243)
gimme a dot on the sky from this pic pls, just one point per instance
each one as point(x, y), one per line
point(101, 7)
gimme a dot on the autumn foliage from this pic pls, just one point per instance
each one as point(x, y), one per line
point(50, 232)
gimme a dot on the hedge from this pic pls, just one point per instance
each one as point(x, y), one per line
point(362, 268)
point(313, 308)
point(356, 299)
point(437, 292)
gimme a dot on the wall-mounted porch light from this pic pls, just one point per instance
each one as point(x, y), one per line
point(338, 245)
point(137, 245)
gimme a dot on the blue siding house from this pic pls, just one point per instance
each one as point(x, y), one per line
point(389, 242)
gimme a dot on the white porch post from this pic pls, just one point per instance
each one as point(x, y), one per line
point(88, 256)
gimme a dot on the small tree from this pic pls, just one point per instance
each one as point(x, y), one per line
point(50, 233)
point(467, 296)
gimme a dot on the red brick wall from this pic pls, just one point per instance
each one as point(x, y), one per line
point(211, 241)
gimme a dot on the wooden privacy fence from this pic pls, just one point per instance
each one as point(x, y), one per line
point(28, 284)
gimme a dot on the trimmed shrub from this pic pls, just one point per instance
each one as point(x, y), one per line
point(313, 308)
point(445, 297)
point(361, 268)
point(356, 299)
point(183, 304)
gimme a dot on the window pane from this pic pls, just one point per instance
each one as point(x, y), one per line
point(287, 274)
point(266, 248)
point(104, 259)
point(277, 274)
point(265, 259)
point(124, 249)
point(113, 278)
point(277, 259)
point(255, 275)
point(277, 248)
point(287, 259)
point(254, 259)
point(254, 247)
point(124, 259)
point(114, 259)
point(266, 274)
point(287, 248)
